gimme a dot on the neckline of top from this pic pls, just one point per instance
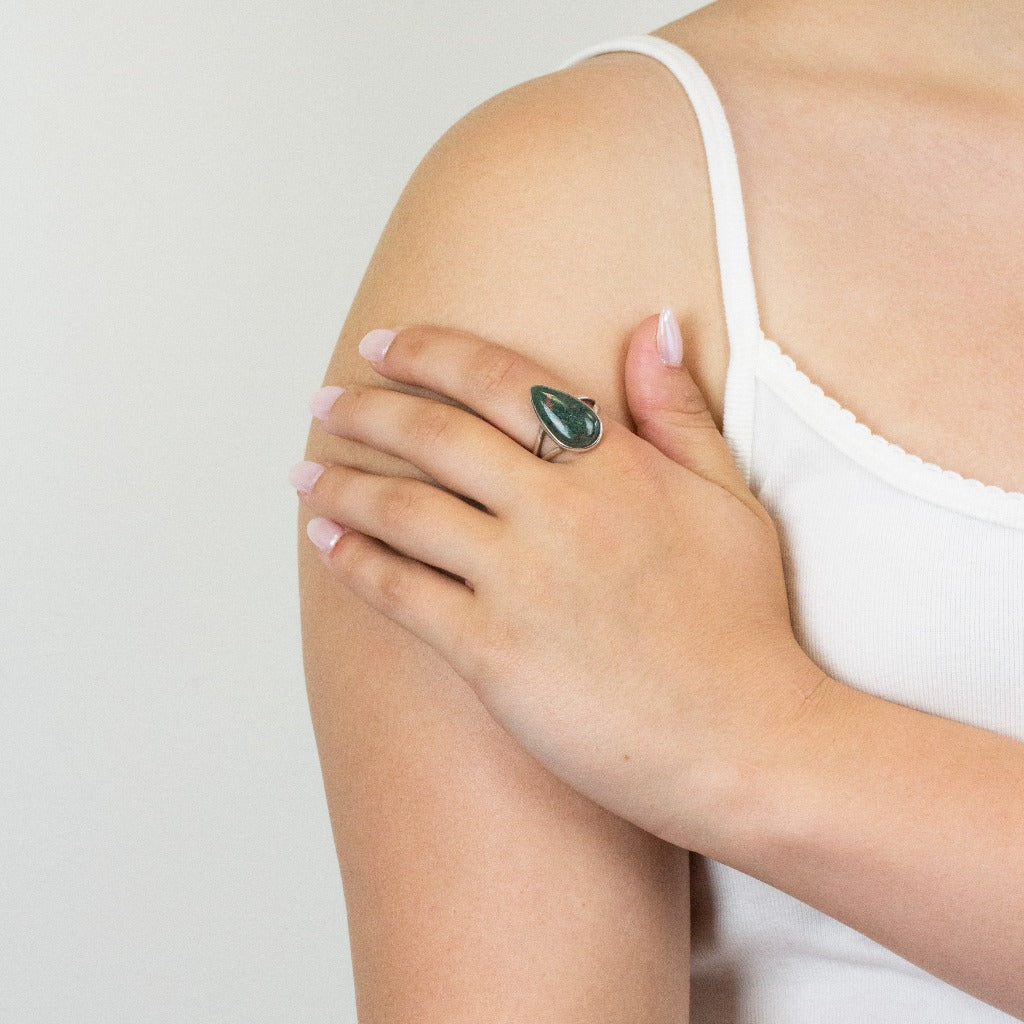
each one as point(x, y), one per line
point(884, 458)
point(880, 456)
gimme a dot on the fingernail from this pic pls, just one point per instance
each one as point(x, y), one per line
point(303, 475)
point(324, 533)
point(375, 344)
point(322, 400)
point(670, 341)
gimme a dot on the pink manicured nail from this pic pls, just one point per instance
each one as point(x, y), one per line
point(324, 533)
point(303, 475)
point(670, 341)
point(322, 400)
point(375, 344)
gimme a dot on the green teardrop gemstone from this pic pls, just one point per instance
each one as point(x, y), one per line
point(572, 423)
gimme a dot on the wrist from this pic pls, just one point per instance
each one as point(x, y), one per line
point(770, 795)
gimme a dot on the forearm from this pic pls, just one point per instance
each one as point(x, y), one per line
point(903, 825)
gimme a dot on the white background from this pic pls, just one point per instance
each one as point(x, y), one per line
point(189, 196)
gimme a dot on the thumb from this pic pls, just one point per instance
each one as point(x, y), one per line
point(669, 409)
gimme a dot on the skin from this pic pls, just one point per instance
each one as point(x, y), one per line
point(872, 222)
point(833, 315)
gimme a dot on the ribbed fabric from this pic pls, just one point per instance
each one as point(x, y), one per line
point(905, 580)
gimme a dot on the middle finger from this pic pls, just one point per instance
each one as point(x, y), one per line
point(460, 450)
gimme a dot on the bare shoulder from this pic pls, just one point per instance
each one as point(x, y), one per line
point(552, 218)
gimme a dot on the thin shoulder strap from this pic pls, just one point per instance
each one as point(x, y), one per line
point(739, 295)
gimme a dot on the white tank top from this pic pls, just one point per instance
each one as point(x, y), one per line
point(905, 580)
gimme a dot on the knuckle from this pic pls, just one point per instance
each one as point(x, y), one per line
point(639, 465)
point(357, 559)
point(431, 425)
point(580, 519)
point(392, 587)
point(566, 505)
point(411, 342)
point(358, 406)
point(349, 556)
point(394, 504)
point(494, 367)
point(686, 415)
point(629, 459)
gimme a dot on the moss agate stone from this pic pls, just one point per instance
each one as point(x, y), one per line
point(570, 421)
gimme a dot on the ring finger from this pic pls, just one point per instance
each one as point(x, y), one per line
point(492, 380)
point(456, 448)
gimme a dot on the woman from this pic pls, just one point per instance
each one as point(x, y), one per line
point(743, 611)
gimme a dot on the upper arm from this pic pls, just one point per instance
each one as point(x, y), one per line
point(478, 885)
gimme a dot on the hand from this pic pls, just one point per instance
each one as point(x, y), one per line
point(621, 613)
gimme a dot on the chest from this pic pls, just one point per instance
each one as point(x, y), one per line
point(887, 242)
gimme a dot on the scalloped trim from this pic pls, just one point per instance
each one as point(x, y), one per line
point(878, 453)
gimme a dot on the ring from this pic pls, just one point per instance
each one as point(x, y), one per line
point(571, 421)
